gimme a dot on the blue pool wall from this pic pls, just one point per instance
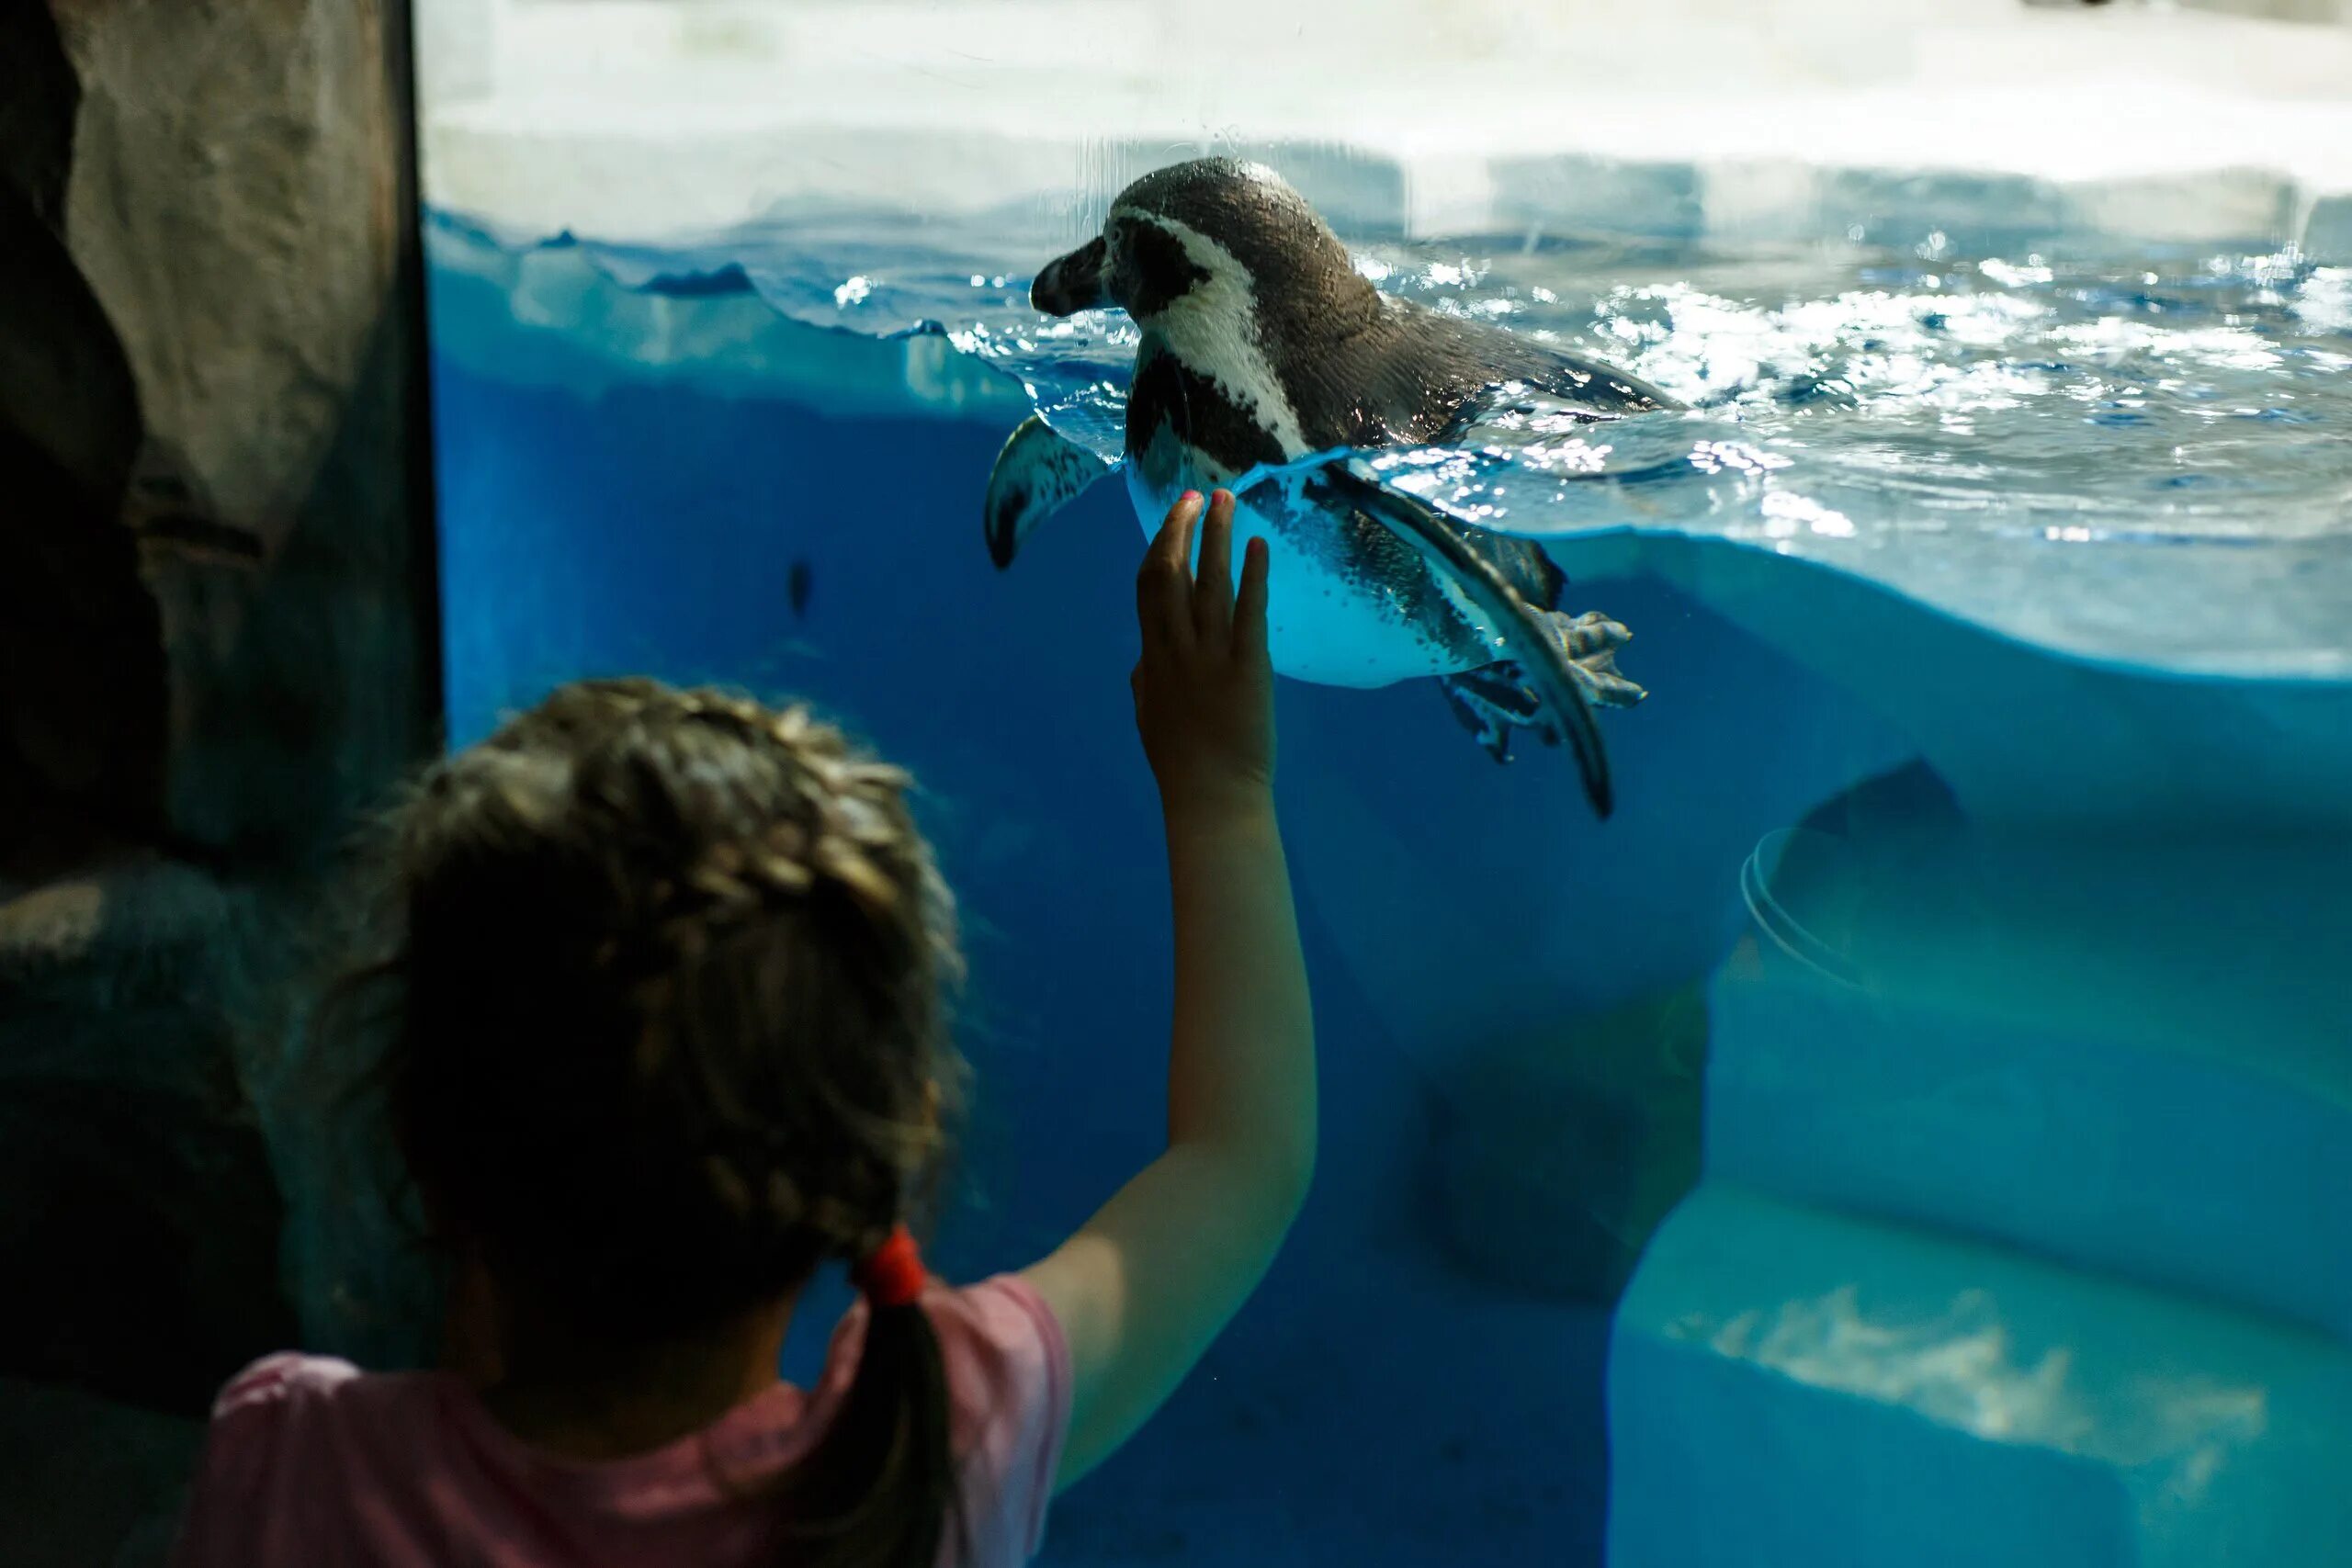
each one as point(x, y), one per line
point(1465, 924)
point(1450, 904)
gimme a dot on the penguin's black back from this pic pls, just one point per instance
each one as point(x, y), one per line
point(1409, 375)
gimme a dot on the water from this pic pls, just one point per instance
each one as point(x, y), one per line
point(1971, 920)
point(1957, 427)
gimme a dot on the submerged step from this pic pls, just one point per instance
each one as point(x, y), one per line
point(2133, 1060)
point(1790, 1389)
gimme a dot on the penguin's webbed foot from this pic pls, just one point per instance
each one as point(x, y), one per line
point(1591, 641)
point(1493, 702)
point(1490, 703)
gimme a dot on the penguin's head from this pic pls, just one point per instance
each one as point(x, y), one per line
point(1211, 235)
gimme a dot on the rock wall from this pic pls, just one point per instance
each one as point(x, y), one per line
point(216, 646)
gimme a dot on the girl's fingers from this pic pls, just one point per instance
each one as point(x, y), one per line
point(1213, 580)
point(1173, 545)
point(1250, 608)
point(1164, 600)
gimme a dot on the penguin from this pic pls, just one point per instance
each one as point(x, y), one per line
point(1262, 346)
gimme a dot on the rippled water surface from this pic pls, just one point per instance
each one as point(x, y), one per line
point(2140, 457)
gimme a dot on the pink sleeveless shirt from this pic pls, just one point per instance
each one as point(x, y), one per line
point(311, 1462)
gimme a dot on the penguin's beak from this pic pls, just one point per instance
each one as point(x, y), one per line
point(1072, 284)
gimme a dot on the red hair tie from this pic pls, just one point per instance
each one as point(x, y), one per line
point(892, 1275)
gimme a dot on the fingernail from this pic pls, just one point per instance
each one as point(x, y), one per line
point(1223, 495)
point(1190, 495)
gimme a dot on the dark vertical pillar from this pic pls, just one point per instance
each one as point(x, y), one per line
point(217, 646)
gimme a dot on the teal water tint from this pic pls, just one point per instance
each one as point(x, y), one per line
point(1971, 923)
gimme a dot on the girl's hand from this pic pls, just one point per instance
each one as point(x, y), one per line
point(1205, 687)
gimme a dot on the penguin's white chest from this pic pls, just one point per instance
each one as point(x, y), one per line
point(1330, 618)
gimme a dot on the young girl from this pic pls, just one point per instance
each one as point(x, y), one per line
point(669, 1035)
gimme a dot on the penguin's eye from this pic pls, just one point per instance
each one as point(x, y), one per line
point(1149, 269)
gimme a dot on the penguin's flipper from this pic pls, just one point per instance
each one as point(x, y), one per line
point(1039, 471)
point(1542, 653)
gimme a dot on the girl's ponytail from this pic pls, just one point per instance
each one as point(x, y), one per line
point(879, 1490)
